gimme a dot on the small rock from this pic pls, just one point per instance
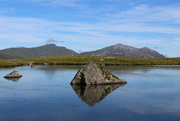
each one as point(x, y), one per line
point(14, 74)
point(30, 64)
point(101, 60)
point(45, 64)
point(94, 74)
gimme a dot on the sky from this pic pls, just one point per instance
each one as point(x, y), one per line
point(86, 25)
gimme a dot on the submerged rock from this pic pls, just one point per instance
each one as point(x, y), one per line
point(94, 74)
point(14, 74)
point(92, 94)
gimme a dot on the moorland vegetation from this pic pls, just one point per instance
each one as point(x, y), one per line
point(84, 59)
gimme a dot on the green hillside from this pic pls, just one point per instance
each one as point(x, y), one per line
point(7, 56)
point(41, 51)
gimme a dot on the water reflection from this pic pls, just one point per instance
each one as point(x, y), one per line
point(129, 70)
point(152, 93)
point(49, 73)
point(13, 79)
point(91, 94)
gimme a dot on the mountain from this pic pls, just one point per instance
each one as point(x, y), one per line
point(53, 50)
point(125, 51)
point(41, 51)
point(7, 56)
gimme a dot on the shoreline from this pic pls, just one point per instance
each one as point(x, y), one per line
point(82, 60)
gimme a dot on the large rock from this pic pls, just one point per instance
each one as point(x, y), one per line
point(93, 74)
point(14, 74)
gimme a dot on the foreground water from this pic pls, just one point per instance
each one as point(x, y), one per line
point(44, 94)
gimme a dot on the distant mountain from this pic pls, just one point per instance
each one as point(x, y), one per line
point(125, 51)
point(7, 56)
point(53, 50)
point(41, 51)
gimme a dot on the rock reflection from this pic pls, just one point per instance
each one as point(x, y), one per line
point(91, 94)
point(13, 79)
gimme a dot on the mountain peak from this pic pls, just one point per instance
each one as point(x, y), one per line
point(121, 45)
point(126, 51)
point(53, 50)
point(146, 48)
point(51, 45)
point(40, 51)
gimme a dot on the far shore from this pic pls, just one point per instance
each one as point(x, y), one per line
point(81, 60)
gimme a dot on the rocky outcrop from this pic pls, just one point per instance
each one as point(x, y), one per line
point(14, 74)
point(92, 94)
point(92, 74)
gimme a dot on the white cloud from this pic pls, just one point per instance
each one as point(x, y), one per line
point(106, 25)
point(177, 39)
point(75, 31)
point(146, 13)
point(3, 36)
point(26, 38)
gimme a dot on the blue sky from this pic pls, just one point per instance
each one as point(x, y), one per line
point(85, 25)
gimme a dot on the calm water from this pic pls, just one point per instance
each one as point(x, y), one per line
point(44, 94)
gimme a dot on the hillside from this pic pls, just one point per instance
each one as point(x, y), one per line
point(125, 51)
point(7, 56)
point(41, 51)
point(53, 50)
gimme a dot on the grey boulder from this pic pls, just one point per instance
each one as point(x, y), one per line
point(92, 74)
point(14, 74)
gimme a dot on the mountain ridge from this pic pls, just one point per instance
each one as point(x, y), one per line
point(40, 51)
point(53, 50)
point(126, 51)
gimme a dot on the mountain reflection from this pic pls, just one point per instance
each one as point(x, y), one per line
point(91, 94)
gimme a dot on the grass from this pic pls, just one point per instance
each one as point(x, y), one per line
point(82, 59)
point(106, 73)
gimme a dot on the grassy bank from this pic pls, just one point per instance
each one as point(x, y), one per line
point(81, 60)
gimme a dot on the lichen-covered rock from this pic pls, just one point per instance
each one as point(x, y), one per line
point(94, 74)
point(14, 74)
